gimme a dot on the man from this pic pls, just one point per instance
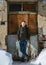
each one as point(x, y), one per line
point(23, 37)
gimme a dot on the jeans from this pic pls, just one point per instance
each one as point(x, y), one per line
point(23, 45)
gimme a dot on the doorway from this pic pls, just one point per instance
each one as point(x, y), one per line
point(27, 12)
point(19, 12)
point(16, 19)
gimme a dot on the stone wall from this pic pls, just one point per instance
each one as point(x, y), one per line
point(3, 17)
point(42, 16)
point(3, 22)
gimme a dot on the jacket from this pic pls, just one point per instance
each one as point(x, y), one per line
point(23, 33)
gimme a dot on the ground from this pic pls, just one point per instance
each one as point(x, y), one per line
point(21, 63)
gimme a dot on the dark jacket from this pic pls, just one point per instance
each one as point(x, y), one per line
point(23, 33)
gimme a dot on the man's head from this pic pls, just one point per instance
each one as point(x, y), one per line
point(23, 23)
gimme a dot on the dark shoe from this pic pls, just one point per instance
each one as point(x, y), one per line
point(22, 59)
point(27, 58)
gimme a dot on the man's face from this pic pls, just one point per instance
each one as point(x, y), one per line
point(23, 24)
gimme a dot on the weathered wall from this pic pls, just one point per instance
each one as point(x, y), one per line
point(42, 16)
point(3, 27)
point(3, 17)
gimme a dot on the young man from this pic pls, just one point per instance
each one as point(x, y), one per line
point(23, 37)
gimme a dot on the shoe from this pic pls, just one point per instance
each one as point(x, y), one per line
point(22, 59)
point(27, 58)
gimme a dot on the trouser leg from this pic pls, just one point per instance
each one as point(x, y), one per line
point(23, 45)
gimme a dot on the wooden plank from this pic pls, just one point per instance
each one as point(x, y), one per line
point(33, 24)
point(22, 17)
point(13, 24)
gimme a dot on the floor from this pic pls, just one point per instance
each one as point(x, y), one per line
point(22, 63)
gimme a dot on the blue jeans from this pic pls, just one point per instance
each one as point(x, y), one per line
point(23, 45)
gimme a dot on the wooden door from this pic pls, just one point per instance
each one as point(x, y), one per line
point(33, 24)
point(15, 22)
point(12, 24)
point(22, 17)
point(16, 19)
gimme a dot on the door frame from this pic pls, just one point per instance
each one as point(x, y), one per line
point(20, 12)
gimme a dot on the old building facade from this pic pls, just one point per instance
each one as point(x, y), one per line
point(6, 16)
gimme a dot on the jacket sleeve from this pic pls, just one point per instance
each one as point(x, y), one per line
point(18, 33)
point(28, 34)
